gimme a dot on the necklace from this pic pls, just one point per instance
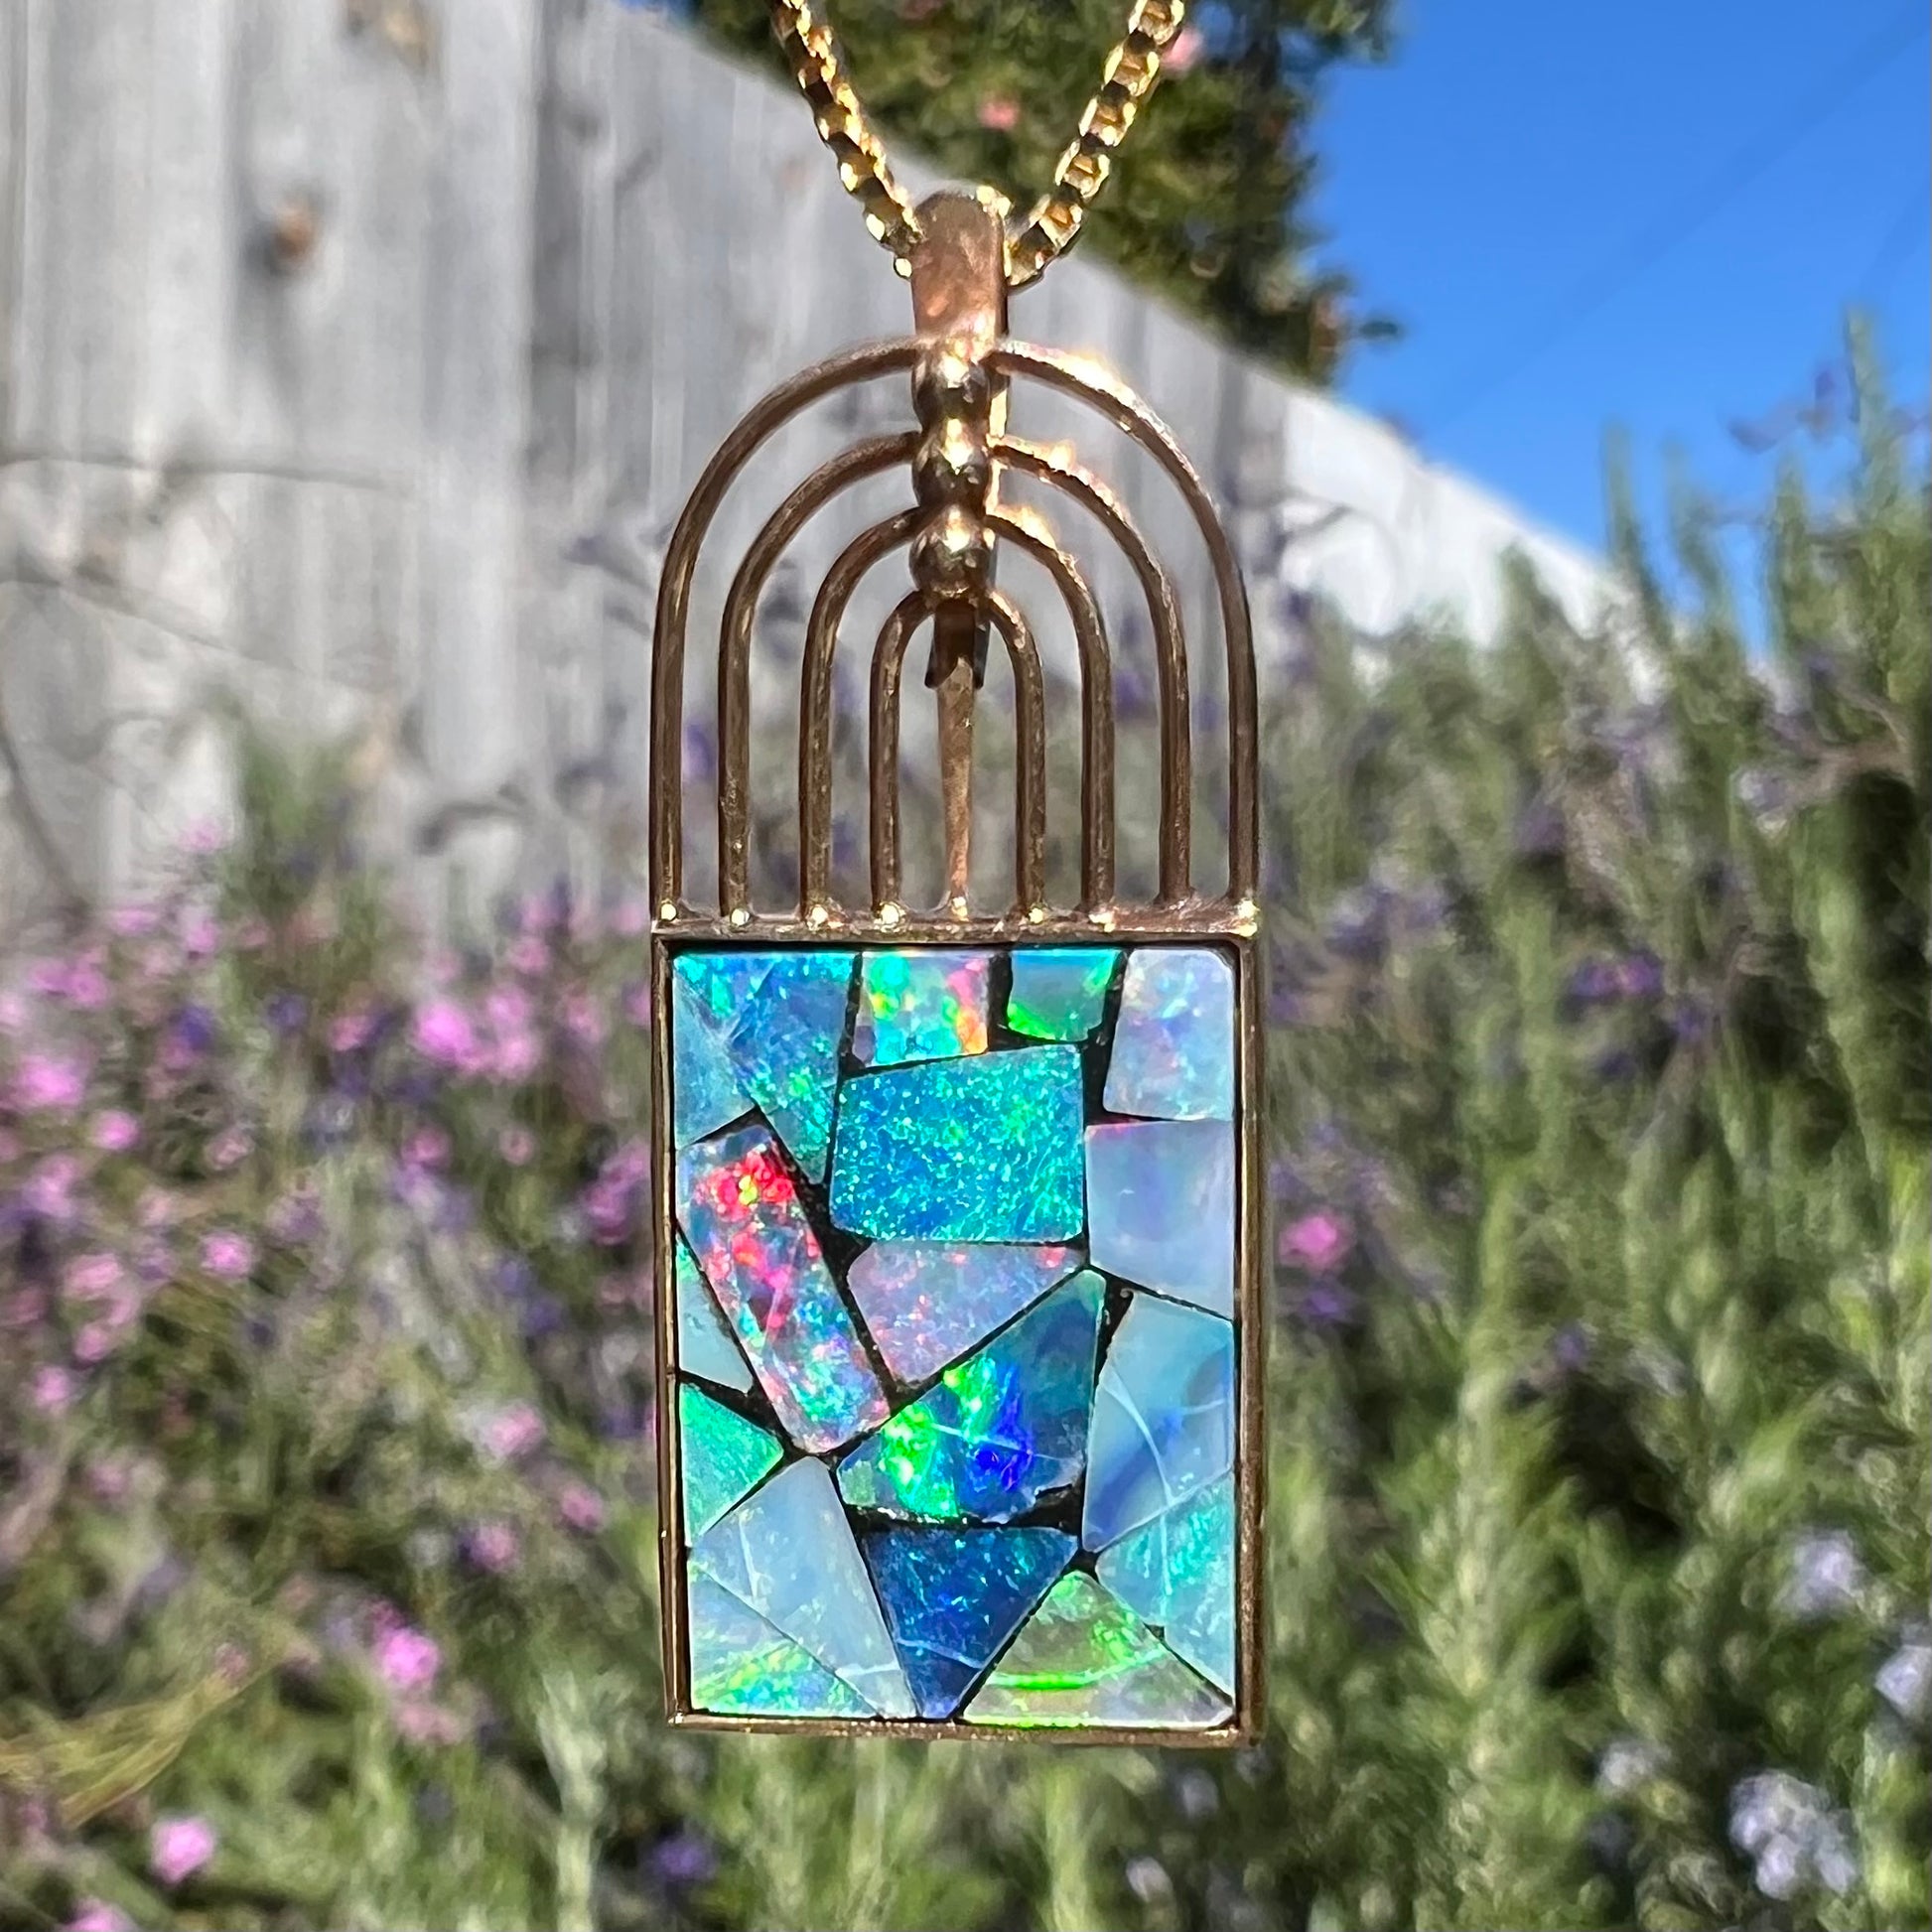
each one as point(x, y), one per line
point(957, 1213)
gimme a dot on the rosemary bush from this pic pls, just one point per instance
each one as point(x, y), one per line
point(1599, 1470)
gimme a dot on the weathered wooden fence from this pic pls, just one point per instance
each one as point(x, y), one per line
point(357, 354)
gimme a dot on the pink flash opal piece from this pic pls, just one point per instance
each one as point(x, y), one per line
point(925, 1302)
point(740, 1212)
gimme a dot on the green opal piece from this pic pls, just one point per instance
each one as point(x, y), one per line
point(724, 1456)
point(1177, 1572)
point(743, 1666)
point(1060, 993)
point(1085, 1659)
point(786, 1047)
point(920, 1005)
point(985, 1149)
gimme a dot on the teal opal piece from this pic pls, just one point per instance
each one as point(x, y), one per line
point(920, 1005)
point(1084, 1658)
point(1160, 1206)
point(789, 1553)
point(1173, 1041)
point(719, 983)
point(1177, 1572)
point(925, 1303)
point(1060, 992)
point(723, 1455)
point(1162, 1416)
point(704, 1094)
point(741, 1211)
point(744, 1667)
point(953, 1597)
point(704, 1344)
point(985, 1149)
point(786, 1048)
point(1000, 1429)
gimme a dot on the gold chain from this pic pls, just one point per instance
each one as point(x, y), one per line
point(1132, 69)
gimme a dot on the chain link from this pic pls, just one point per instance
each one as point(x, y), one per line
point(1053, 226)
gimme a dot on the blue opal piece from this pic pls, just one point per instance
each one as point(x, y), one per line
point(744, 1667)
point(1173, 1041)
point(953, 1597)
point(925, 1302)
point(920, 1005)
point(1162, 1416)
point(999, 1431)
point(985, 1149)
point(704, 1094)
point(786, 1047)
point(723, 1455)
point(1177, 1572)
point(1160, 1206)
point(718, 983)
point(789, 1553)
point(1060, 992)
point(704, 1344)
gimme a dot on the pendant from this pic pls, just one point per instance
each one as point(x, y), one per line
point(957, 1215)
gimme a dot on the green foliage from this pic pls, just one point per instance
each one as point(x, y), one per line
point(1600, 1466)
point(1209, 204)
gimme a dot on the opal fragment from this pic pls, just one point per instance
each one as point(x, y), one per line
point(920, 1005)
point(705, 1093)
point(743, 1666)
point(925, 1302)
point(1174, 1041)
point(739, 1209)
point(999, 1431)
point(1177, 1572)
point(719, 983)
point(1060, 993)
point(953, 1597)
point(786, 1047)
point(1162, 1416)
point(985, 1149)
point(1084, 1658)
point(704, 1344)
point(788, 1551)
point(1160, 1206)
point(722, 1456)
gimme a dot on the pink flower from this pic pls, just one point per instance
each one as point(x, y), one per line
point(88, 1277)
point(53, 1389)
point(9, 1146)
point(178, 1847)
point(637, 1005)
point(200, 936)
point(115, 1131)
point(425, 1723)
point(13, 1013)
point(444, 1033)
point(517, 1145)
point(514, 1432)
point(158, 962)
point(528, 955)
point(494, 1547)
point(132, 921)
point(50, 1191)
point(49, 1083)
point(582, 1509)
point(157, 1208)
point(427, 1147)
point(23, 1308)
point(406, 1660)
point(582, 1021)
point(228, 1148)
point(204, 838)
point(95, 1342)
point(999, 114)
point(516, 1058)
point(1315, 1242)
point(228, 1255)
point(508, 1008)
point(1184, 53)
point(350, 1030)
point(96, 1915)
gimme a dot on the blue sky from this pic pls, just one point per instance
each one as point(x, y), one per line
point(1518, 152)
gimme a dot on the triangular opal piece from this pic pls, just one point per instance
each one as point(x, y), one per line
point(999, 1431)
point(786, 1048)
point(789, 1552)
point(744, 1667)
point(1177, 1572)
point(704, 1344)
point(953, 1597)
point(1162, 1416)
point(1160, 1206)
point(719, 983)
point(920, 1005)
point(723, 1455)
point(925, 1303)
point(1060, 993)
point(704, 1094)
point(1173, 1041)
point(1085, 1659)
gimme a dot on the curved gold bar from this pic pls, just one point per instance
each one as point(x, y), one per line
point(1170, 645)
point(1096, 705)
point(1029, 767)
point(764, 418)
point(1077, 376)
point(815, 697)
point(869, 459)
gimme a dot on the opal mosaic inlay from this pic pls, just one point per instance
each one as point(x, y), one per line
point(954, 1325)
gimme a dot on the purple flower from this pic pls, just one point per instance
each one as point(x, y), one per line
point(53, 1389)
point(405, 1659)
point(287, 1013)
point(193, 1032)
point(1326, 1304)
point(1640, 976)
point(114, 1131)
point(512, 1432)
point(180, 1847)
point(49, 1083)
point(444, 1033)
point(1316, 1242)
point(683, 1859)
point(493, 1547)
point(582, 1509)
point(227, 1255)
point(96, 1915)
point(1593, 982)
